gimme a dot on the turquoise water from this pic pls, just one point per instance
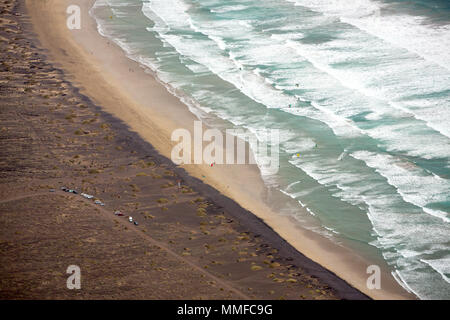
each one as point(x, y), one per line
point(369, 87)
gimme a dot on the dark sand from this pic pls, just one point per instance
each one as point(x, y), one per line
point(191, 243)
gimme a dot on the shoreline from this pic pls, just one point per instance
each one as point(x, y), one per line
point(96, 66)
point(185, 246)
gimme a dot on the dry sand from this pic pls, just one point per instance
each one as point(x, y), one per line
point(102, 72)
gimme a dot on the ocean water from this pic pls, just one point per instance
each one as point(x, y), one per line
point(359, 89)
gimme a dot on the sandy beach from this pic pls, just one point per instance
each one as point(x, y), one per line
point(133, 113)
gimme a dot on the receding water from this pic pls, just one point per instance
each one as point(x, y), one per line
point(359, 89)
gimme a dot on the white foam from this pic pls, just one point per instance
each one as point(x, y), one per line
point(227, 8)
point(414, 184)
point(395, 225)
point(391, 81)
point(335, 113)
point(431, 42)
point(398, 277)
point(299, 145)
point(442, 266)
